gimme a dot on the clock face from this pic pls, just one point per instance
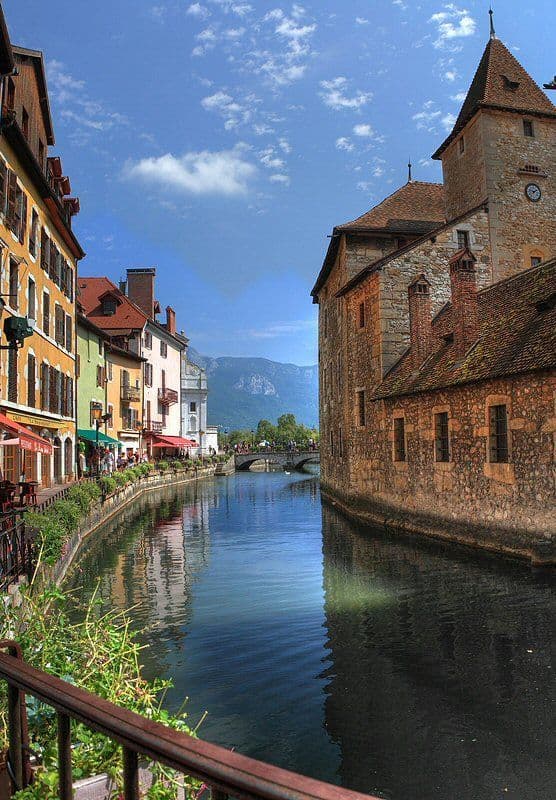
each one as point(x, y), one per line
point(533, 192)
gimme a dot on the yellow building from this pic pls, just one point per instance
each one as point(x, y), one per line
point(38, 261)
point(124, 397)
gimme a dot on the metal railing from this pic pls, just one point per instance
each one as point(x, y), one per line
point(130, 394)
point(227, 774)
point(154, 426)
point(17, 550)
point(61, 493)
point(168, 396)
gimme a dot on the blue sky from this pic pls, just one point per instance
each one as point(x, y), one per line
point(221, 140)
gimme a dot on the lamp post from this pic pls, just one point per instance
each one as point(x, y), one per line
point(252, 440)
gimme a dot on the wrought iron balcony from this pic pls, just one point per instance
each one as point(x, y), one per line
point(167, 396)
point(153, 426)
point(130, 394)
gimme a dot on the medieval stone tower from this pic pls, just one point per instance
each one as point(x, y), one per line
point(503, 149)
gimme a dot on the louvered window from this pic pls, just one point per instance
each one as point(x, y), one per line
point(45, 250)
point(45, 387)
point(69, 332)
point(53, 390)
point(14, 285)
point(3, 186)
point(11, 202)
point(31, 380)
point(12, 375)
point(46, 313)
point(59, 324)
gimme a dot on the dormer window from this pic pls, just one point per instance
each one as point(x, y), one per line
point(528, 129)
point(109, 306)
point(463, 240)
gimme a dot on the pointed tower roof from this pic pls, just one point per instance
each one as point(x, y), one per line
point(500, 82)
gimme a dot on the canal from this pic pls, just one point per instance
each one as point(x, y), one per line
point(387, 665)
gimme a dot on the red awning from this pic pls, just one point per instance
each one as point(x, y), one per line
point(27, 439)
point(173, 441)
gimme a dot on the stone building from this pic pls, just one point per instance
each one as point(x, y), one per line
point(389, 272)
point(39, 254)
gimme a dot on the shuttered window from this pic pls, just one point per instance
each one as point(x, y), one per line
point(33, 233)
point(69, 332)
point(46, 313)
point(53, 387)
point(14, 284)
point(21, 215)
point(32, 299)
point(31, 380)
point(59, 324)
point(3, 186)
point(12, 375)
point(11, 202)
point(45, 387)
point(45, 250)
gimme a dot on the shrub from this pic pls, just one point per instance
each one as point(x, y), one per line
point(120, 479)
point(108, 484)
point(67, 512)
point(162, 466)
point(80, 497)
point(177, 465)
point(92, 489)
point(51, 535)
point(143, 469)
point(129, 475)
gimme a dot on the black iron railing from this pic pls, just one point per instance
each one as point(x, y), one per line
point(17, 550)
point(227, 774)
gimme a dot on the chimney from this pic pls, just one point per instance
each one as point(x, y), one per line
point(170, 319)
point(465, 308)
point(122, 285)
point(140, 289)
point(419, 295)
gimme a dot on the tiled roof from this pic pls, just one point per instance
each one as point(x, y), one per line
point(518, 335)
point(127, 315)
point(500, 82)
point(416, 208)
point(416, 201)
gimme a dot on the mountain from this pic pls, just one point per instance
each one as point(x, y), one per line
point(244, 390)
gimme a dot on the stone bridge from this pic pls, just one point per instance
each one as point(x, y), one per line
point(281, 458)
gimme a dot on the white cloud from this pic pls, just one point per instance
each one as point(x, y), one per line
point(450, 75)
point(280, 178)
point(218, 173)
point(459, 97)
point(378, 172)
point(199, 11)
point(400, 4)
point(334, 95)
point(270, 160)
point(364, 186)
point(427, 118)
point(452, 23)
point(364, 130)
point(275, 329)
point(343, 143)
point(448, 121)
point(285, 146)
point(361, 21)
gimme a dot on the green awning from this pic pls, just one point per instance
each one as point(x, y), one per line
point(91, 436)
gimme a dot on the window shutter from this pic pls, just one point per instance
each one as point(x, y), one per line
point(68, 332)
point(44, 386)
point(46, 313)
point(23, 217)
point(12, 190)
point(52, 262)
point(45, 250)
point(31, 380)
point(12, 376)
point(52, 389)
point(3, 186)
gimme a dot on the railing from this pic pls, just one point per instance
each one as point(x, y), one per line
point(130, 394)
point(17, 551)
point(167, 396)
point(227, 774)
point(153, 426)
point(60, 494)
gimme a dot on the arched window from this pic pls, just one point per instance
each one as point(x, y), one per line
point(193, 422)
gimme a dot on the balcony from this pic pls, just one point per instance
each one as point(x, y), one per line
point(153, 426)
point(130, 394)
point(167, 396)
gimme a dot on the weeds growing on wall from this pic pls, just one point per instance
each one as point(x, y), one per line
point(100, 654)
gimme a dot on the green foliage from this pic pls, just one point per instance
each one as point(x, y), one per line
point(100, 654)
point(51, 535)
point(108, 484)
point(163, 466)
point(120, 479)
point(81, 497)
point(286, 430)
point(92, 489)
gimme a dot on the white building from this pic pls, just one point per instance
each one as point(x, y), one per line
point(194, 407)
point(162, 349)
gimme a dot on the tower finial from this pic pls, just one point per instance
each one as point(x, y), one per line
point(492, 31)
point(409, 178)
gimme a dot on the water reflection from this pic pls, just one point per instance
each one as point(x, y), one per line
point(375, 662)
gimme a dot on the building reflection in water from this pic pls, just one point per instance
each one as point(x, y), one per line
point(440, 670)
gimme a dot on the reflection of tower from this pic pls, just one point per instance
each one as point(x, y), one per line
point(433, 693)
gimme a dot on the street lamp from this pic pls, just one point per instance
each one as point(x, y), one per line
point(252, 440)
point(16, 329)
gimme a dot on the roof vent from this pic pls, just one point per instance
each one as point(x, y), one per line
point(547, 303)
point(510, 85)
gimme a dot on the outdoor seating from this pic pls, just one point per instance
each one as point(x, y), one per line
point(28, 493)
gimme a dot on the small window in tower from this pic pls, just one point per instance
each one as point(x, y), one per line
point(535, 261)
point(399, 439)
point(528, 129)
point(463, 239)
point(462, 144)
point(498, 434)
point(361, 315)
point(360, 395)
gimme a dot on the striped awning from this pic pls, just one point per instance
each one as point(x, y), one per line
point(28, 440)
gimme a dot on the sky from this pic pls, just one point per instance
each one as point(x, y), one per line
point(220, 141)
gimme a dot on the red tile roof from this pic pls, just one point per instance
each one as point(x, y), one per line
point(127, 317)
point(518, 335)
point(500, 82)
point(417, 201)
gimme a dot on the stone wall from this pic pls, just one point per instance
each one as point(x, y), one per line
point(507, 507)
point(464, 173)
